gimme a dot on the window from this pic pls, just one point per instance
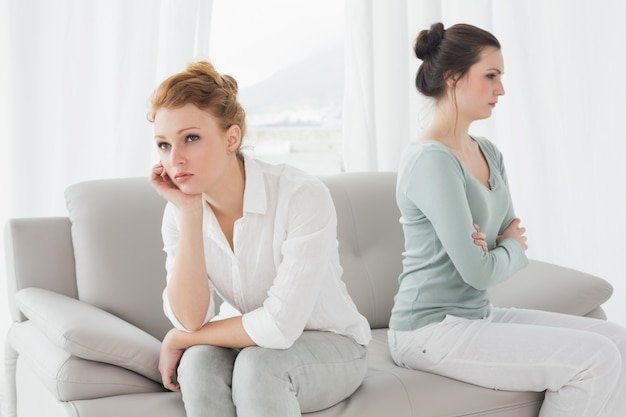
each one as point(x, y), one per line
point(288, 60)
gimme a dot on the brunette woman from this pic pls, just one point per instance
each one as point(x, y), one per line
point(462, 237)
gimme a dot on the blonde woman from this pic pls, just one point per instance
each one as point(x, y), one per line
point(287, 339)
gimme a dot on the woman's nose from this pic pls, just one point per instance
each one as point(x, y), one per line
point(177, 156)
point(500, 91)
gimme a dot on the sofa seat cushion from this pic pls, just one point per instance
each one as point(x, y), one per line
point(68, 377)
point(391, 390)
point(167, 404)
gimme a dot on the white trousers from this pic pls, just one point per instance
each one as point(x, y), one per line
point(580, 362)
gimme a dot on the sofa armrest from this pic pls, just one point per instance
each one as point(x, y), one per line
point(39, 253)
point(545, 286)
point(90, 333)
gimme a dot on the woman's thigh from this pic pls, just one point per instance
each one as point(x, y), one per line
point(318, 371)
point(519, 350)
point(550, 319)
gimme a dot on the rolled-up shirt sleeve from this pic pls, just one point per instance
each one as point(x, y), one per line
point(308, 257)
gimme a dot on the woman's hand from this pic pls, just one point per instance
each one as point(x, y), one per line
point(515, 232)
point(480, 239)
point(169, 360)
point(166, 188)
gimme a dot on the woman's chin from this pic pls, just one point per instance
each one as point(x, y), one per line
point(188, 189)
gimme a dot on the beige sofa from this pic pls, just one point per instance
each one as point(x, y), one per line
point(85, 297)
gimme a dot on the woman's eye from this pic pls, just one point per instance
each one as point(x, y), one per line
point(192, 138)
point(164, 145)
point(491, 76)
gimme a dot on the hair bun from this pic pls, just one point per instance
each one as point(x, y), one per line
point(428, 41)
point(230, 83)
point(205, 69)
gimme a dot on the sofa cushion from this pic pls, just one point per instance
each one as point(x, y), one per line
point(167, 404)
point(549, 287)
point(88, 332)
point(68, 377)
point(389, 390)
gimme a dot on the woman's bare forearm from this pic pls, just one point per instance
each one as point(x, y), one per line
point(224, 333)
point(188, 289)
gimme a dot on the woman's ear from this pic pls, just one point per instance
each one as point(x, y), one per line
point(451, 80)
point(233, 139)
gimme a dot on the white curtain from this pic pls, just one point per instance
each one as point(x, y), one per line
point(64, 118)
point(73, 116)
point(65, 114)
point(375, 83)
point(560, 125)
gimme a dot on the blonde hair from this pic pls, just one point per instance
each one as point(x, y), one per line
point(200, 84)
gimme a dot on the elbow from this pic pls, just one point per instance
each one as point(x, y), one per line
point(480, 286)
point(273, 331)
point(188, 319)
point(190, 325)
point(190, 328)
point(277, 341)
point(476, 281)
point(273, 338)
point(285, 337)
point(185, 322)
point(282, 344)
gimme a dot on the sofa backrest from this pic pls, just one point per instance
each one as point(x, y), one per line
point(118, 250)
point(370, 239)
point(120, 263)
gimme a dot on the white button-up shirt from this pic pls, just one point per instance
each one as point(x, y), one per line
point(283, 274)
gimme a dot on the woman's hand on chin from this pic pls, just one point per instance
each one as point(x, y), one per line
point(166, 188)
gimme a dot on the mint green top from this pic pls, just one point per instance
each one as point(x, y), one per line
point(444, 272)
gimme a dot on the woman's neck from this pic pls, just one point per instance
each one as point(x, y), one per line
point(227, 199)
point(448, 128)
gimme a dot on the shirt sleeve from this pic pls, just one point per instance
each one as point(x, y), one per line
point(170, 233)
point(437, 187)
point(308, 256)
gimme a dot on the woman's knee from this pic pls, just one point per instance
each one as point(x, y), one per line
point(204, 362)
point(311, 373)
point(255, 362)
point(606, 361)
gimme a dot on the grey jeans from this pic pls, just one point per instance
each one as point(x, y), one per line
point(318, 371)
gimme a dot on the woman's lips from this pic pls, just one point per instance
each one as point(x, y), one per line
point(182, 177)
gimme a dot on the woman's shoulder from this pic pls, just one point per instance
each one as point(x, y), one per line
point(282, 173)
point(285, 180)
point(425, 152)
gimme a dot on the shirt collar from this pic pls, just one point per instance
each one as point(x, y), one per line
point(254, 195)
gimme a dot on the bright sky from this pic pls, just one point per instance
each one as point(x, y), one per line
point(251, 39)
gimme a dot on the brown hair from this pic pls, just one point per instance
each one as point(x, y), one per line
point(200, 84)
point(448, 52)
